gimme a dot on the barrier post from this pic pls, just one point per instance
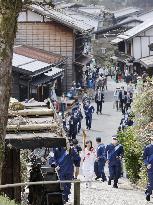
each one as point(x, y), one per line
point(77, 192)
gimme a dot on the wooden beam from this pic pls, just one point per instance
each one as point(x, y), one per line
point(31, 127)
point(31, 112)
point(77, 193)
point(33, 141)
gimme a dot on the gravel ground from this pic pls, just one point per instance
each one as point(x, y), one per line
point(102, 194)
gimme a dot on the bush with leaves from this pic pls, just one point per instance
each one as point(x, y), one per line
point(132, 154)
point(6, 201)
point(135, 138)
point(143, 106)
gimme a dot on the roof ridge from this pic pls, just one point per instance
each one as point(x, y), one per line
point(69, 21)
point(144, 12)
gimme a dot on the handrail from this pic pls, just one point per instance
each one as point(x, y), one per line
point(44, 183)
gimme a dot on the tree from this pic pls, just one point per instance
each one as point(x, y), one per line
point(9, 11)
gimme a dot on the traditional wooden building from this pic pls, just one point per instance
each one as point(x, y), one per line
point(136, 44)
point(35, 73)
point(51, 30)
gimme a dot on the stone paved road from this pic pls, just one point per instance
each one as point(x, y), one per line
point(101, 194)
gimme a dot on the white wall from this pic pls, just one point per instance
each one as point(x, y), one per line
point(34, 17)
point(22, 16)
point(136, 48)
point(141, 43)
point(29, 16)
point(144, 46)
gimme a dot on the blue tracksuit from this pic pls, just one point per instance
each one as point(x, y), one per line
point(65, 161)
point(113, 154)
point(73, 122)
point(80, 117)
point(148, 159)
point(89, 110)
point(100, 162)
point(75, 151)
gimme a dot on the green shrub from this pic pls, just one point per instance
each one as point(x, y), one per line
point(135, 138)
point(6, 201)
point(132, 154)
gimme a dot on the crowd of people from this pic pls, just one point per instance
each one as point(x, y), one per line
point(93, 160)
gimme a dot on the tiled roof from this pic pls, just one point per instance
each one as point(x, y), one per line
point(96, 11)
point(141, 17)
point(81, 17)
point(146, 16)
point(125, 12)
point(28, 64)
point(41, 55)
point(134, 31)
point(68, 5)
point(61, 17)
point(47, 77)
point(34, 62)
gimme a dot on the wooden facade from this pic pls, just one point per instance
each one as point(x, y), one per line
point(49, 36)
point(57, 33)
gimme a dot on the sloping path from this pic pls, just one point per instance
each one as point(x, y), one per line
point(105, 126)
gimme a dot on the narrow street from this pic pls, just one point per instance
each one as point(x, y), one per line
point(105, 126)
point(64, 138)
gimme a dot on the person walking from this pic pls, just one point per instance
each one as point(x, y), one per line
point(73, 122)
point(122, 94)
point(100, 82)
point(114, 153)
point(100, 160)
point(130, 88)
point(127, 101)
point(134, 79)
point(116, 98)
point(89, 110)
point(99, 100)
point(65, 168)
point(63, 105)
point(88, 157)
point(126, 74)
point(80, 117)
point(148, 161)
point(76, 149)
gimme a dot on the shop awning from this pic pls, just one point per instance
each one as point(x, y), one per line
point(83, 60)
point(147, 62)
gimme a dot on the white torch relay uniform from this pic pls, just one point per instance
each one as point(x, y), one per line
point(88, 157)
